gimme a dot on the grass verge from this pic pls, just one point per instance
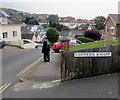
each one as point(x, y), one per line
point(95, 45)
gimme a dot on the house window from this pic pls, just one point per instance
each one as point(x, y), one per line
point(107, 30)
point(5, 35)
point(112, 29)
point(14, 33)
point(4, 20)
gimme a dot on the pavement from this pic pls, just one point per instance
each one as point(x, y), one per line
point(46, 71)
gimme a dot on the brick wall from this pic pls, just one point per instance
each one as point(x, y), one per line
point(109, 24)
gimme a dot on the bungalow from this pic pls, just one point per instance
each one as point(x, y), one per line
point(10, 29)
point(112, 26)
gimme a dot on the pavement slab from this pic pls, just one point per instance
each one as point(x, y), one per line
point(47, 71)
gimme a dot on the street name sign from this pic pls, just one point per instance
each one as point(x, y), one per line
point(92, 54)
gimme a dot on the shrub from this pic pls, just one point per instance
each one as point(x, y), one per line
point(85, 40)
point(52, 35)
point(93, 34)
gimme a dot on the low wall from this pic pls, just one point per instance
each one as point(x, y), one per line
point(15, 43)
point(29, 46)
point(72, 68)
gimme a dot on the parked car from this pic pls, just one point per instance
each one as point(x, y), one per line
point(76, 41)
point(57, 46)
point(2, 44)
point(26, 41)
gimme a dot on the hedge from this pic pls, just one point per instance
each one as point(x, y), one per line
point(85, 40)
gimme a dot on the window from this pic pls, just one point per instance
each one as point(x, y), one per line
point(5, 35)
point(112, 29)
point(4, 20)
point(14, 33)
point(107, 30)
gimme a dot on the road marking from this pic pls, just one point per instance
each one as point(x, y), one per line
point(5, 86)
point(27, 68)
point(55, 81)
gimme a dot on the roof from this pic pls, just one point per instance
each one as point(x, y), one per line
point(64, 33)
point(43, 21)
point(25, 29)
point(27, 36)
point(28, 29)
point(11, 20)
point(115, 18)
point(4, 13)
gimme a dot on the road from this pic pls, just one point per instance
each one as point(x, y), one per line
point(105, 86)
point(14, 61)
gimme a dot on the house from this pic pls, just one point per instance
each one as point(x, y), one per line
point(67, 18)
point(33, 32)
point(76, 23)
point(42, 16)
point(112, 27)
point(43, 22)
point(10, 29)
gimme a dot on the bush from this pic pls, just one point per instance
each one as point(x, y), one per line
point(93, 34)
point(85, 40)
point(45, 25)
point(52, 35)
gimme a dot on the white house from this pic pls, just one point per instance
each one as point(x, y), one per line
point(10, 30)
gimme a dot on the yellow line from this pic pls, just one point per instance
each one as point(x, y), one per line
point(3, 86)
point(3, 89)
point(27, 68)
point(24, 70)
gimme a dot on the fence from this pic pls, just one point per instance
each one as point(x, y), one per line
point(73, 68)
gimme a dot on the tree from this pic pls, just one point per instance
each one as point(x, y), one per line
point(52, 35)
point(27, 19)
point(93, 34)
point(99, 20)
point(45, 25)
point(31, 21)
point(53, 20)
point(59, 27)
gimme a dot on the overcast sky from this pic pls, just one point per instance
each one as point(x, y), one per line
point(84, 9)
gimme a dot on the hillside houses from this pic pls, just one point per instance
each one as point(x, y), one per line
point(76, 23)
point(43, 22)
point(71, 23)
point(33, 32)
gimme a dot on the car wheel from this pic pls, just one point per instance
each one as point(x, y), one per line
point(60, 50)
point(37, 47)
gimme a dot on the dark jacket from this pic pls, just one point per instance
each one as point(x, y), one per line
point(46, 47)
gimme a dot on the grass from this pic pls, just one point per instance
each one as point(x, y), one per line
point(95, 45)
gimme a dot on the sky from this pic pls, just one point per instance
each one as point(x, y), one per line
point(83, 9)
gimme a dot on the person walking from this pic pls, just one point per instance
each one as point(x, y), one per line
point(46, 51)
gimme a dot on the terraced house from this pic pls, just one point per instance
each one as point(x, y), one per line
point(10, 29)
point(112, 26)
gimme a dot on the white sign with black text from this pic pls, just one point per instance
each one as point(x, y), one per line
point(92, 54)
